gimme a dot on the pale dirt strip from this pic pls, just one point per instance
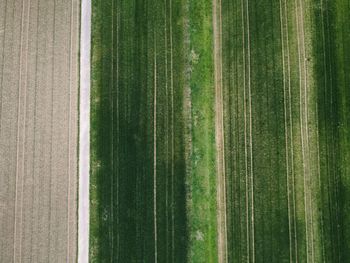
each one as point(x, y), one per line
point(84, 133)
point(219, 134)
point(38, 132)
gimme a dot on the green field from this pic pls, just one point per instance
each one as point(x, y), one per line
point(138, 195)
point(162, 189)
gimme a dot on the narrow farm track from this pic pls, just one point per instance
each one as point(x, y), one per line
point(38, 136)
point(219, 131)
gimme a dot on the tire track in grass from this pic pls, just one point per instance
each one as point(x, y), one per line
point(306, 113)
point(249, 176)
point(307, 129)
point(291, 133)
point(219, 131)
point(302, 111)
point(286, 131)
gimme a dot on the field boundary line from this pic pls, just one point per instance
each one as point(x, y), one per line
point(84, 133)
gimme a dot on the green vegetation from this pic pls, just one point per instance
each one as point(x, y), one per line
point(202, 212)
point(138, 198)
point(286, 131)
point(287, 157)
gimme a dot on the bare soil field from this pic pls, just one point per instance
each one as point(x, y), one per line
point(38, 130)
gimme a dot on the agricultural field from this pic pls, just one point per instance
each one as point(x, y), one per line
point(220, 131)
point(38, 130)
point(138, 197)
point(285, 126)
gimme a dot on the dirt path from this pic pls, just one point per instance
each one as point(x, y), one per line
point(219, 133)
point(84, 133)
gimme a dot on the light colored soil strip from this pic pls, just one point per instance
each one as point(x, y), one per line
point(219, 135)
point(84, 138)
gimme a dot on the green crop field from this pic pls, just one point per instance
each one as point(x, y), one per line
point(220, 131)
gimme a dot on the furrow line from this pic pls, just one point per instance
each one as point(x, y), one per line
point(18, 130)
point(24, 131)
point(34, 128)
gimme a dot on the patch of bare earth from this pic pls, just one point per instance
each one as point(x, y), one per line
point(38, 130)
